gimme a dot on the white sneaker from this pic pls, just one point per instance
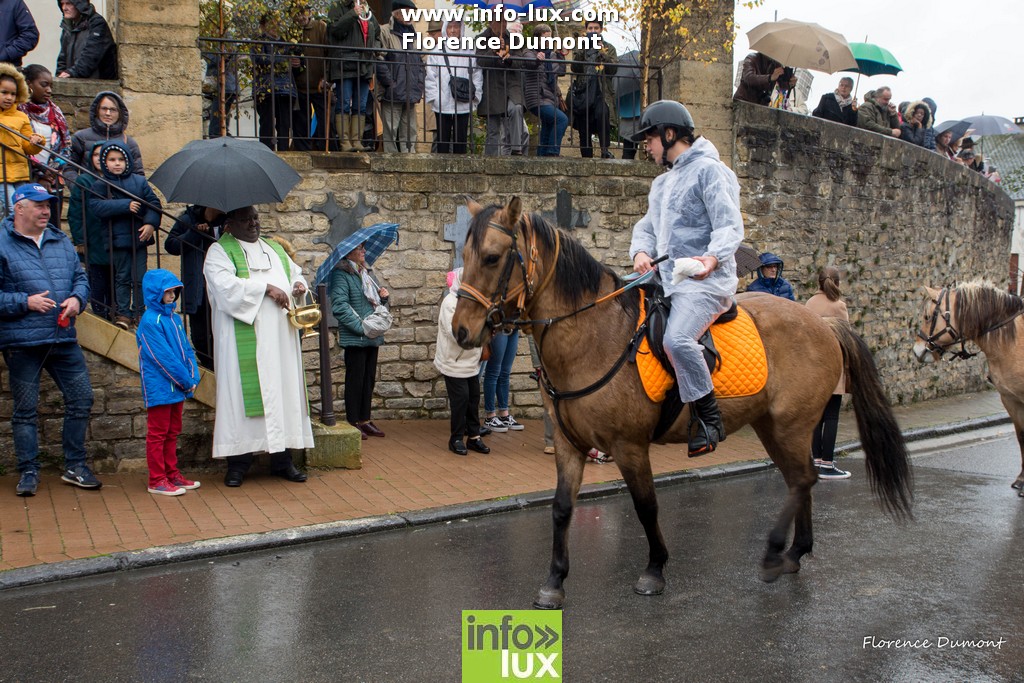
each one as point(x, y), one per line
point(511, 423)
point(496, 424)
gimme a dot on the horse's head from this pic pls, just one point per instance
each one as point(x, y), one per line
point(937, 332)
point(494, 278)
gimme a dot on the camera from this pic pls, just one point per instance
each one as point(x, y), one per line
point(788, 73)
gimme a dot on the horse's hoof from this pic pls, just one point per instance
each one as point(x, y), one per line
point(1018, 484)
point(790, 566)
point(770, 572)
point(548, 598)
point(649, 585)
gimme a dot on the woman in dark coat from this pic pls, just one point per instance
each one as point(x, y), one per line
point(354, 295)
point(838, 106)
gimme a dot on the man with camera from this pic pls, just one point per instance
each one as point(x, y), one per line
point(760, 73)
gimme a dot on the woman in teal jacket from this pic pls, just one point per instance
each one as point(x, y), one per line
point(354, 295)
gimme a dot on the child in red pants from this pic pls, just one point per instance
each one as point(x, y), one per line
point(170, 373)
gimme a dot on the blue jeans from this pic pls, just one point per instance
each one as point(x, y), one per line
point(129, 268)
point(66, 366)
point(553, 123)
point(348, 89)
point(498, 371)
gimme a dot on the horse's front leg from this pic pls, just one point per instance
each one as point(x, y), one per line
point(635, 465)
point(570, 474)
point(1016, 410)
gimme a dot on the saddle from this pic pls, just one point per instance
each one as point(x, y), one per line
point(739, 369)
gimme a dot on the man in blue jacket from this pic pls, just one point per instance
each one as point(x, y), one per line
point(42, 289)
point(18, 32)
point(769, 278)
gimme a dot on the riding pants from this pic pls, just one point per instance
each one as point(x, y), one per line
point(692, 313)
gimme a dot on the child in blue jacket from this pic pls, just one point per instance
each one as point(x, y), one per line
point(170, 373)
point(132, 224)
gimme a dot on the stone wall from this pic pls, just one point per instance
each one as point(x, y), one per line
point(892, 216)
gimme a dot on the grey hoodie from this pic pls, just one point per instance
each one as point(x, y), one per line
point(83, 140)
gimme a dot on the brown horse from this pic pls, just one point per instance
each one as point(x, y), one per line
point(991, 318)
point(517, 266)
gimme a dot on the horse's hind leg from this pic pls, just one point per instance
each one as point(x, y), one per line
point(791, 454)
point(570, 473)
point(635, 465)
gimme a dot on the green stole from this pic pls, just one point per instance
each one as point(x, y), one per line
point(245, 334)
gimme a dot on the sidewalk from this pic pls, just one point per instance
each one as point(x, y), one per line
point(409, 477)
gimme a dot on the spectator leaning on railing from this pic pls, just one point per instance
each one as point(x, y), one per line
point(838, 106)
point(310, 81)
point(878, 115)
point(917, 128)
point(108, 120)
point(758, 78)
point(353, 30)
point(273, 87)
point(452, 114)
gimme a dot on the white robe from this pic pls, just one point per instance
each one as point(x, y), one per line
point(285, 423)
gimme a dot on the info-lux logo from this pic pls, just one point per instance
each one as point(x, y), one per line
point(508, 645)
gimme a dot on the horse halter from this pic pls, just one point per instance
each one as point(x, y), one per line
point(931, 340)
point(521, 292)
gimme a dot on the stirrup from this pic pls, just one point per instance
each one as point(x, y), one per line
point(701, 442)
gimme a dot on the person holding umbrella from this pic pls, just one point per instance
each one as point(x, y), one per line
point(760, 72)
point(355, 294)
point(261, 387)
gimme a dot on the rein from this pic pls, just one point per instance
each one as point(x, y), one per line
point(930, 340)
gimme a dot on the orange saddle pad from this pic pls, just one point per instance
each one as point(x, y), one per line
point(742, 372)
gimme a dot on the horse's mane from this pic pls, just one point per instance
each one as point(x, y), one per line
point(577, 272)
point(980, 305)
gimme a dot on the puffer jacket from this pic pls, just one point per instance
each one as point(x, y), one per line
point(82, 140)
point(86, 229)
point(401, 75)
point(87, 48)
point(27, 269)
point(167, 364)
point(18, 32)
point(15, 167)
point(344, 32)
point(350, 306)
point(778, 285)
point(108, 204)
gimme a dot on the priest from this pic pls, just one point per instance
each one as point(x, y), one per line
point(261, 387)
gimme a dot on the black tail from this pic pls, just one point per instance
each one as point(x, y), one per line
point(880, 436)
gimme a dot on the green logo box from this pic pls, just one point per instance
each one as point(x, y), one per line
point(509, 645)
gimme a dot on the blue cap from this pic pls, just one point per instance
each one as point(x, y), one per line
point(33, 191)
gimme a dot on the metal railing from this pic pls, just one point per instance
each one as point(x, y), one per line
point(378, 99)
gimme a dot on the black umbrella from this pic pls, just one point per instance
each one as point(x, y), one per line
point(959, 128)
point(225, 173)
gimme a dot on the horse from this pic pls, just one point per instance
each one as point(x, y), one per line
point(517, 265)
point(991, 318)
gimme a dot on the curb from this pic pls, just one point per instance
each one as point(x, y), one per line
point(219, 547)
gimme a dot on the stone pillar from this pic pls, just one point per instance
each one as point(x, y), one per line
point(705, 87)
point(161, 73)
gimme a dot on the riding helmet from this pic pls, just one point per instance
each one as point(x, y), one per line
point(660, 115)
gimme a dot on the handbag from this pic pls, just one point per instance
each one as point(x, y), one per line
point(584, 96)
point(378, 322)
point(462, 88)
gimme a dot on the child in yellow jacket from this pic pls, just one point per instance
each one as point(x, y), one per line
point(14, 151)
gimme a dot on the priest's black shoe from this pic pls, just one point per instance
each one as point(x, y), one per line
point(291, 473)
point(478, 445)
point(233, 478)
point(457, 447)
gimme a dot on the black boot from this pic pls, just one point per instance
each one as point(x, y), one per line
point(705, 429)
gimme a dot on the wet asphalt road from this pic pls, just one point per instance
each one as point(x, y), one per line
point(386, 607)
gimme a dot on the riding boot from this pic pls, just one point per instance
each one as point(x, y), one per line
point(355, 131)
point(705, 429)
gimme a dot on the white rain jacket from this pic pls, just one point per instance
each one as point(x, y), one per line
point(450, 359)
point(693, 210)
point(461, 64)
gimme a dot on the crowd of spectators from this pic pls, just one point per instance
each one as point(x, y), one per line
point(766, 82)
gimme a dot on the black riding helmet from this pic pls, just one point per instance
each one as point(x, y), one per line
point(661, 115)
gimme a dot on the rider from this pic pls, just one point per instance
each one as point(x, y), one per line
point(692, 210)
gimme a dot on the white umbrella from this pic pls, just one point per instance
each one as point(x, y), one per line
point(802, 44)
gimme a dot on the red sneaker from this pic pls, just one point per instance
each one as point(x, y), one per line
point(182, 482)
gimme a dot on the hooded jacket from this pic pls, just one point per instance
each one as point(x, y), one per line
point(191, 245)
point(167, 363)
point(438, 94)
point(87, 48)
point(82, 140)
point(94, 235)
point(18, 32)
point(15, 167)
point(922, 136)
point(450, 359)
point(401, 75)
point(111, 205)
point(778, 285)
point(27, 268)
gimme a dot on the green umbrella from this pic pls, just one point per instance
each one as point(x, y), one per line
point(873, 60)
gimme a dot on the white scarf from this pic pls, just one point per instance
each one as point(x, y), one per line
point(843, 101)
point(369, 286)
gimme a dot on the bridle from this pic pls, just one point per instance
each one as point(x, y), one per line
point(524, 291)
point(942, 310)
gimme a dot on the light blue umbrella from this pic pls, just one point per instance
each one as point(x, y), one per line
point(376, 238)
